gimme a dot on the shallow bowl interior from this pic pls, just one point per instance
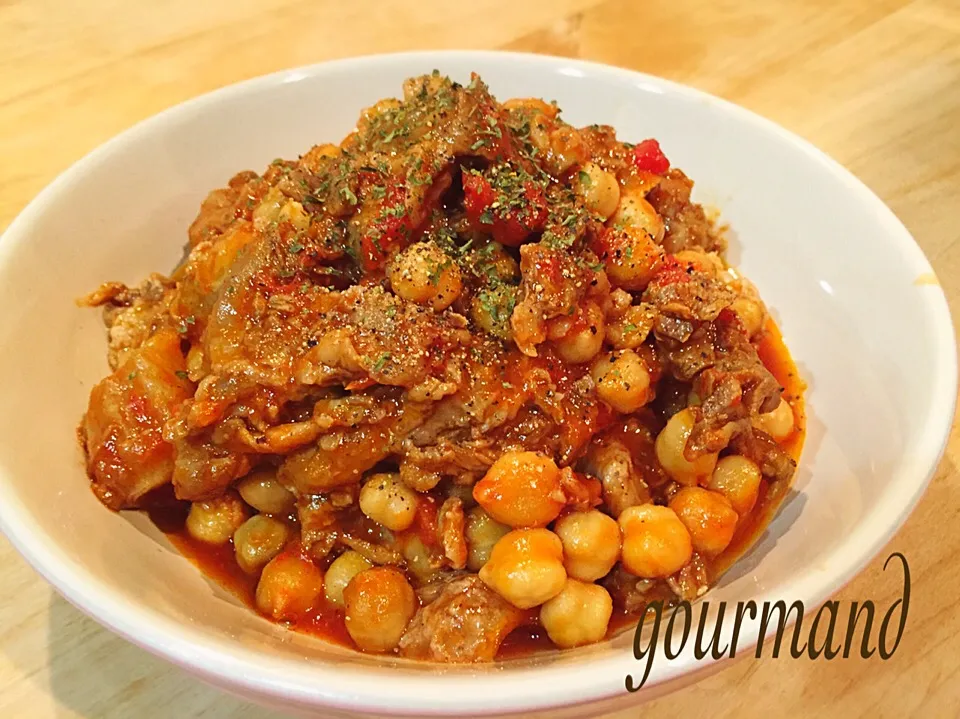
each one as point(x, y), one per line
point(855, 298)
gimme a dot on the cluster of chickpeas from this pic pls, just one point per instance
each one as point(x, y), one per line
point(378, 601)
point(507, 536)
point(532, 563)
point(508, 540)
point(714, 494)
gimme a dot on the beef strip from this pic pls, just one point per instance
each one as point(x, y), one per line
point(131, 314)
point(553, 284)
point(691, 581)
point(727, 375)
point(629, 592)
point(466, 623)
point(686, 225)
point(451, 531)
point(683, 297)
point(319, 530)
point(220, 209)
point(734, 389)
point(128, 455)
point(774, 462)
point(623, 486)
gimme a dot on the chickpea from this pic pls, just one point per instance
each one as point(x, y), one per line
point(463, 492)
point(631, 328)
point(370, 114)
point(620, 301)
point(491, 309)
point(634, 211)
point(738, 479)
point(598, 189)
point(530, 104)
point(526, 567)
point(422, 564)
point(268, 210)
point(779, 423)
point(584, 339)
point(670, 446)
point(215, 520)
point(340, 572)
point(591, 544)
point(379, 603)
point(263, 492)
point(566, 149)
point(289, 587)
point(540, 124)
point(708, 516)
point(496, 263)
point(388, 502)
point(482, 532)
point(751, 314)
point(578, 615)
point(622, 381)
point(425, 274)
point(294, 213)
point(316, 156)
point(656, 543)
point(258, 540)
point(521, 489)
point(629, 255)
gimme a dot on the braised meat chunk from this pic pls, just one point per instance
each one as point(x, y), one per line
point(466, 623)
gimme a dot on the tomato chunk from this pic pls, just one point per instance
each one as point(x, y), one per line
point(478, 195)
point(671, 271)
point(389, 231)
point(509, 225)
point(648, 157)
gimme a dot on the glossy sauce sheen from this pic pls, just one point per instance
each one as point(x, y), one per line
point(327, 622)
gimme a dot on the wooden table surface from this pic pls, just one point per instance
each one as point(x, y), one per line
point(874, 83)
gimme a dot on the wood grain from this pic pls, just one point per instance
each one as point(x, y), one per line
point(874, 83)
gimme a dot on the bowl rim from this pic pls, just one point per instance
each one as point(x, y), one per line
point(479, 692)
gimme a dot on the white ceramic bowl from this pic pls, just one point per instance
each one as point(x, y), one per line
point(857, 302)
